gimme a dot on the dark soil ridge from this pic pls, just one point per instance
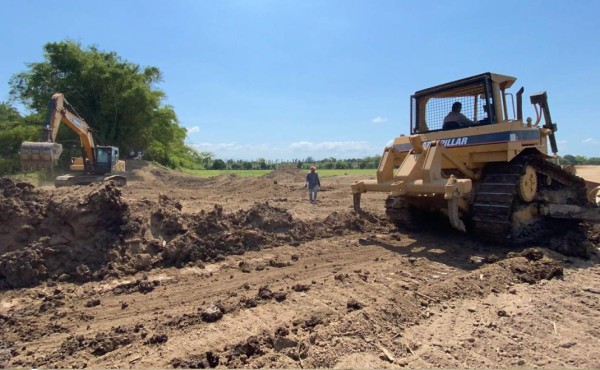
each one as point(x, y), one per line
point(92, 233)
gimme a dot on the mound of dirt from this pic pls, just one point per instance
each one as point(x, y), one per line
point(582, 241)
point(20, 212)
point(530, 266)
point(92, 233)
point(175, 179)
point(286, 174)
point(209, 236)
point(47, 237)
point(150, 172)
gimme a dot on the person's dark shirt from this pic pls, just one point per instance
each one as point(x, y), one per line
point(312, 179)
point(458, 117)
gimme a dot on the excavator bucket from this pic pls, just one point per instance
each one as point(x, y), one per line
point(37, 156)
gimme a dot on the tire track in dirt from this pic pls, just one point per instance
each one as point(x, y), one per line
point(331, 258)
point(503, 327)
point(109, 312)
point(319, 307)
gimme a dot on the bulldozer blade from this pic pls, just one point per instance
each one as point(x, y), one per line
point(39, 155)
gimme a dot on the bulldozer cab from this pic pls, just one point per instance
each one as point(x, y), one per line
point(481, 100)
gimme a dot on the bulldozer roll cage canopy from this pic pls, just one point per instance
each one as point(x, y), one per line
point(430, 106)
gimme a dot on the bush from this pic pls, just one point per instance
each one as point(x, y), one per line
point(9, 166)
point(219, 164)
point(341, 165)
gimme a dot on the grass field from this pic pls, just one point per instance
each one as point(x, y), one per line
point(257, 173)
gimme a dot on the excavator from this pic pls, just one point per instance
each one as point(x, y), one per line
point(471, 157)
point(97, 162)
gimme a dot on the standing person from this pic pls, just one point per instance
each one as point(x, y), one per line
point(313, 184)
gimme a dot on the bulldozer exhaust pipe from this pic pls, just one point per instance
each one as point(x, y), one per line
point(520, 103)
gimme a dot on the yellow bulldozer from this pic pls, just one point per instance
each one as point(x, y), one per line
point(97, 163)
point(472, 157)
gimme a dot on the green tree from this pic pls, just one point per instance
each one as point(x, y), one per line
point(569, 159)
point(262, 163)
point(341, 165)
point(328, 165)
point(219, 164)
point(116, 97)
point(14, 129)
point(594, 160)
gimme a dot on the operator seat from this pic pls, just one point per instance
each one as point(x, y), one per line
point(451, 125)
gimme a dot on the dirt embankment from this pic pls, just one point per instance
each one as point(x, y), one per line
point(93, 233)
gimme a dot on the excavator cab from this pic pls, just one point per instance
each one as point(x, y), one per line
point(106, 159)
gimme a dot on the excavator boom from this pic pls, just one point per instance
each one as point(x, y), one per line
point(45, 153)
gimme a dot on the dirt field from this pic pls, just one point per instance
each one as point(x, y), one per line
point(180, 272)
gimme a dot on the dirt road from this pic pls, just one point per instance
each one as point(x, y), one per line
point(176, 271)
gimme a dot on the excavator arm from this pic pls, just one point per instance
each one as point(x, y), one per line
point(58, 111)
point(44, 154)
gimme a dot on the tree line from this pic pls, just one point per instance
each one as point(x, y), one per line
point(579, 160)
point(266, 164)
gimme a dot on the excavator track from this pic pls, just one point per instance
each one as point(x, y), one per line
point(499, 213)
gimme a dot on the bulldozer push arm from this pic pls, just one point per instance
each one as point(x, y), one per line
point(420, 175)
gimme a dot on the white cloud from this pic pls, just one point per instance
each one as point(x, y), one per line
point(331, 146)
point(193, 130)
point(590, 140)
point(379, 119)
point(301, 149)
point(231, 147)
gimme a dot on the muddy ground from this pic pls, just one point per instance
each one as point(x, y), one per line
point(173, 271)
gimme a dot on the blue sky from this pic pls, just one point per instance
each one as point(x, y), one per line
point(292, 79)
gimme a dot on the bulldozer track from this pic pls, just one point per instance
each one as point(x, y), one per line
point(400, 213)
point(497, 200)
